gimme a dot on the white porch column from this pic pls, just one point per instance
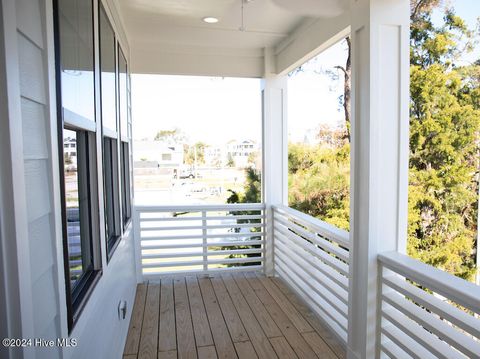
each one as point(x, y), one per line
point(380, 56)
point(274, 177)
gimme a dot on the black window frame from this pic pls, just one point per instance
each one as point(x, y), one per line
point(110, 151)
point(123, 104)
point(126, 189)
point(77, 297)
point(111, 195)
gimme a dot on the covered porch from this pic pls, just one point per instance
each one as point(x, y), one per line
point(215, 280)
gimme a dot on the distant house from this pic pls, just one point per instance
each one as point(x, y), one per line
point(240, 151)
point(157, 154)
point(215, 156)
point(70, 151)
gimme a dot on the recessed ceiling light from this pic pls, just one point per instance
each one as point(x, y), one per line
point(210, 20)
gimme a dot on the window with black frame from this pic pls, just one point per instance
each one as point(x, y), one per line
point(110, 132)
point(74, 48)
point(125, 138)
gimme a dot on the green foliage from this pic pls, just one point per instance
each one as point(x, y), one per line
point(252, 193)
point(319, 182)
point(444, 145)
point(444, 150)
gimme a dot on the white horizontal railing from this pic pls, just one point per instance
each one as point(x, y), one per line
point(199, 238)
point(427, 313)
point(312, 257)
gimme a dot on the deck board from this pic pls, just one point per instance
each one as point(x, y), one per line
point(225, 316)
point(167, 338)
point(207, 352)
point(261, 313)
point(232, 319)
point(201, 328)
point(290, 332)
point(135, 327)
point(221, 336)
point(245, 350)
point(183, 319)
point(257, 336)
point(149, 336)
point(308, 314)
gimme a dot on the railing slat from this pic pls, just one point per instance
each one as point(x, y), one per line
point(205, 226)
point(323, 228)
point(329, 247)
point(434, 325)
point(316, 262)
point(328, 259)
point(436, 305)
point(318, 287)
point(161, 229)
point(406, 343)
point(320, 276)
point(460, 291)
point(200, 236)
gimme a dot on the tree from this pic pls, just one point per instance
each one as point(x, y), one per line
point(444, 143)
point(230, 160)
point(170, 136)
point(67, 159)
point(444, 149)
point(347, 87)
point(319, 182)
point(194, 154)
point(252, 193)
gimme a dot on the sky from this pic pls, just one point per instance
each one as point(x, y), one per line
point(469, 11)
point(209, 109)
point(216, 110)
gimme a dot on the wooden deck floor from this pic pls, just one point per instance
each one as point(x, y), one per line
point(229, 316)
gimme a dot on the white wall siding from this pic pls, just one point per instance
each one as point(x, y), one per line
point(41, 246)
point(99, 331)
point(34, 128)
point(34, 93)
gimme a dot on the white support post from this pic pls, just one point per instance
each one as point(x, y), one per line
point(274, 94)
point(380, 105)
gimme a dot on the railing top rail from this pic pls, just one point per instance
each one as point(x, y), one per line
point(459, 290)
point(338, 235)
point(203, 207)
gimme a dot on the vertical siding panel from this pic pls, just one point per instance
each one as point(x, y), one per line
point(31, 67)
point(41, 246)
point(37, 189)
point(34, 91)
point(34, 130)
point(29, 20)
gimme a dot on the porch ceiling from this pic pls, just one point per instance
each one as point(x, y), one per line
point(169, 36)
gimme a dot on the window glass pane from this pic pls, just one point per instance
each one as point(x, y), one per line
point(76, 51)
point(77, 205)
point(126, 182)
point(112, 205)
point(107, 67)
point(122, 83)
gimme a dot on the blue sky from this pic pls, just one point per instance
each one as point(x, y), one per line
point(469, 11)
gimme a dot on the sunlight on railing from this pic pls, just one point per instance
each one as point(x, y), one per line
point(312, 257)
point(427, 313)
point(200, 238)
